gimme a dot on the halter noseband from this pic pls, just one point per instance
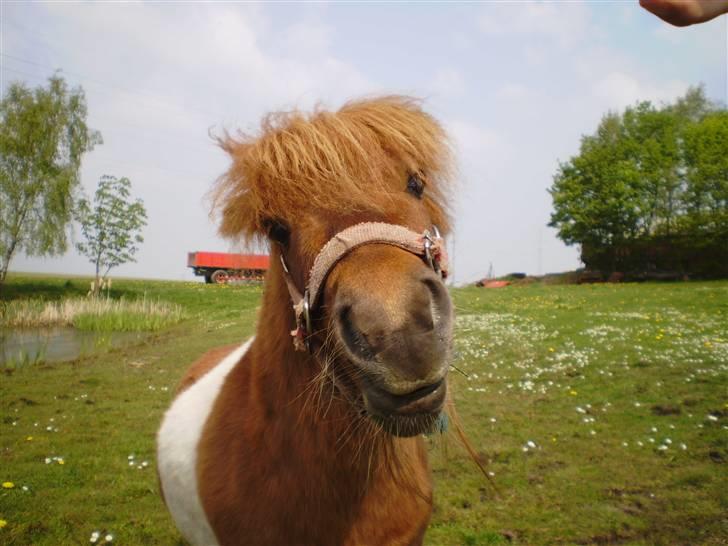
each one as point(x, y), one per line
point(429, 245)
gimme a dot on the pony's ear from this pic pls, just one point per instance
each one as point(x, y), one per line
point(236, 199)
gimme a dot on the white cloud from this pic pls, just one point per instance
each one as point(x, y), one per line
point(479, 146)
point(204, 57)
point(667, 32)
point(561, 23)
point(448, 82)
point(616, 90)
point(307, 40)
point(514, 91)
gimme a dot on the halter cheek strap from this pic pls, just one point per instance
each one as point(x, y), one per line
point(429, 245)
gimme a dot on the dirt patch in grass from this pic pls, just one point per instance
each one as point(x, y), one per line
point(660, 409)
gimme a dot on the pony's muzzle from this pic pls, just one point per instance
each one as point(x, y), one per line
point(402, 336)
point(395, 326)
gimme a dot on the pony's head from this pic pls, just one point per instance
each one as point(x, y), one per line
point(382, 324)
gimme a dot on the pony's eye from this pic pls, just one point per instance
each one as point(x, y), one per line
point(415, 185)
point(278, 232)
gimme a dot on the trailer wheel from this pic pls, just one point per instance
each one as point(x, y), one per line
point(219, 277)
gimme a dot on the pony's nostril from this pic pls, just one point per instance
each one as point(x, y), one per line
point(435, 288)
point(353, 338)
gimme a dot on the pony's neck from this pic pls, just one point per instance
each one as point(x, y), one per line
point(291, 377)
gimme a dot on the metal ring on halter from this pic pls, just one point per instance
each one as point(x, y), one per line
point(428, 240)
point(428, 252)
point(283, 263)
point(307, 315)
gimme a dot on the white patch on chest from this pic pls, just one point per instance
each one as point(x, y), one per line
point(177, 442)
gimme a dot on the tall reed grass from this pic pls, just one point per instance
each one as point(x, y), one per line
point(97, 314)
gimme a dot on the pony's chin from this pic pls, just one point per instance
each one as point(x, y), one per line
point(405, 415)
point(406, 426)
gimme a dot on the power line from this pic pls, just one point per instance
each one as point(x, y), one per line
point(27, 74)
point(25, 29)
point(85, 80)
point(200, 141)
point(188, 175)
point(140, 166)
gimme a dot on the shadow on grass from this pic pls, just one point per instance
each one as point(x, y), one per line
point(40, 289)
point(51, 291)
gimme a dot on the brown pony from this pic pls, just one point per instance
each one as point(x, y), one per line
point(268, 445)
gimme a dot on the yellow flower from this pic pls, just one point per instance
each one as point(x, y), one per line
point(29, 438)
point(3, 523)
point(61, 461)
point(551, 349)
point(8, 485)
point(573, 393)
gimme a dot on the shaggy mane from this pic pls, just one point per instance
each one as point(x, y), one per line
point(331, 161)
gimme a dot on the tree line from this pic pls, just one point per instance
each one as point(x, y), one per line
point(43, 138)
point(648, 191)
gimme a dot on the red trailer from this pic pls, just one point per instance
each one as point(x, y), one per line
point(221, 267)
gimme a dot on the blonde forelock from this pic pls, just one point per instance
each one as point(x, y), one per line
point(336, 162)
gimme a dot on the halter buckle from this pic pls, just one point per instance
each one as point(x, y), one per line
point(433, 260)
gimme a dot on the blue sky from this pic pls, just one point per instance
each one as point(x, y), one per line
point(515, 83)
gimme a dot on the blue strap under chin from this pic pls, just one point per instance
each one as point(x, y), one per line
point(442, 423)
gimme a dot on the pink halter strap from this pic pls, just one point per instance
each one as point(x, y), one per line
point(428, 244)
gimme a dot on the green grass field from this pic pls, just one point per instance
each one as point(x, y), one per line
point(602, 412)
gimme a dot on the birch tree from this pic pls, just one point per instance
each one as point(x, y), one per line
point(43, 136)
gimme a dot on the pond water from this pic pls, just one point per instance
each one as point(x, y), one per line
point(29, 345)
